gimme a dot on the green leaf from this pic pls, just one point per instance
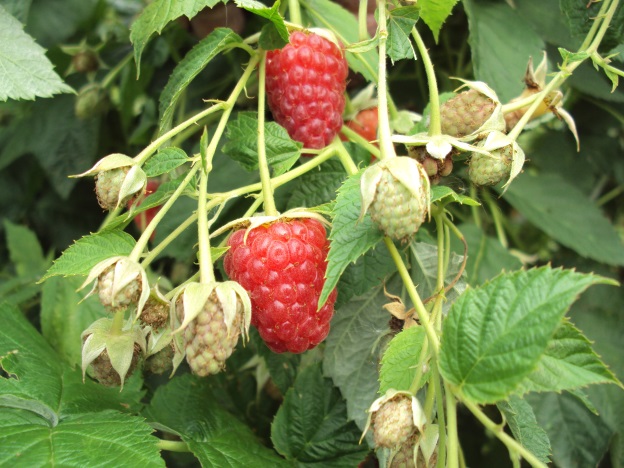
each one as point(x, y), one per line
point(186, 405)
point(487, 257)
point(270, 38)
point(357, 335)
point(444, 194)
point(64, 317)
point(400, 23)
point(34, 371)
point(164, 161)
point(524, 427)
point(220, 40)
point(281, 151)
point(282, 366)
point(94, 439)
point(64, 144)
point(400, 361)
point(494, 336)
point(570, 57)
point(90, 250)
point(434, 14)
point(569, 362)
point(317, 186)
point(578, 438)
point(350, 237)
point(581, 16)
point(24, 250)
point(26, 71)
point(567, 215)
point(17, 8)
point(311, 427)
point(270, 13)
point(501, 63)
point(156, 16)
point(330, 15)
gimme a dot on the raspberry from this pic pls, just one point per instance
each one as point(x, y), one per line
point(435, 168)
point(305, 83)
point(393, 423)
point(282, 266)
point(365, 123)
point(145, 217)
point(155, 313)
point(486, 170)
point(160, 362)
point(465, 113)
point(108, 186)
point(208, 342)
point(396, 209)
point(91, 101)
point(127, 296)
point(85, 61)
point(104, 372)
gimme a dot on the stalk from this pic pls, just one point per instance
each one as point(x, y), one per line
point(385, 134)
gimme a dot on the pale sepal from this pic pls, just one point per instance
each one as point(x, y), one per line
point(95, 273)
point(412, 175)
point(428, 441)
point(112, 161)
point(418, 413)
point(194, 298)
point(120, 348)
point(229, 293)
point(441, 145)
point(134, 182)
point(158, 340)
point(481, 87)
point(368, 185)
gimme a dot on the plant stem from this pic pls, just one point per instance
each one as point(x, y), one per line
point(610, 195)
point(451, 426)
point(434, 97)
point(594, 27)
point(206, 272)
point(476, 216)
point(263, 165)
point(345, 157)
point(500, 433)
point(419, 370)
point(294, 11)
point(168, 240)
point(497, 217)
point(385, 134)
point(362, 20)
point(421, 311)
point(360, 140)
point(110, 76)
point(117, 324)
point(435, 376)
point(173, 446)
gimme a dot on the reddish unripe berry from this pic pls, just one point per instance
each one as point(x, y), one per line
point(282, 266)
point(365, 124)
point(145, 217)
point(305, 84)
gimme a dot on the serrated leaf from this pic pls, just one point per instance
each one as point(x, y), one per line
point(88, 251)
point(34, 375)
point(164, 161)
point(156, 16)
point(214, 436)
point(220, 40)
point(281, 150)
point(570, 57)
point(444, 194)
point(500, 63)
point(578, 438)
point(350, 237)
point(330, 15)
point(494, 336)
point(311, 426)
point(352, 350)
point(400, 23)
point(24, 250)
point(400, 361)
point(270, 38)
point(569, 362)
point(26, 72)
point(524, 427)
point(282, 367)
point(567, 215)
point(113, 439)
point(435, 12)
point(270, 13)
point(64, 317)
point(317, 186)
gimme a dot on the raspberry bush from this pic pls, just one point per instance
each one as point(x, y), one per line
point(371, 234)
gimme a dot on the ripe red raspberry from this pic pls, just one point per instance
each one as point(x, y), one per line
point(145, 217)
point(365, 123)
point(282, 266)
point(305, 84)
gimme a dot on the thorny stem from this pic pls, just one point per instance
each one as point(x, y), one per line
point(434, 97)
point(263, 165)
point(421, 311)
point(206, 272)
point(385, 135)
point(500, 433)
point(173, 445)
point(594, 27)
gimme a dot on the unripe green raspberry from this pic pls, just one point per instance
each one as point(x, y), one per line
point(90, 101)
point(393, 423)
point(208, 342)
point(465, 113)
point(435, 168)
point(155, 313)
point(104, 372)
point(486, 170)
point(108, 185)
point(127, 296)
point(160, 362)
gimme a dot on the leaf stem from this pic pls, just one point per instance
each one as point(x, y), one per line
point(362, 20)
point(499, 432)
point(110, 76)
point(206, 272)
point(168, 240)
point(435, 375)
point(345, 157)
point(173, 445)
point(294, 11)
point(263, 165)
point(421, 311)
point(360, 140)
point(497, 218)
point(385, 134)
point(435, 127)
point(451, 427)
